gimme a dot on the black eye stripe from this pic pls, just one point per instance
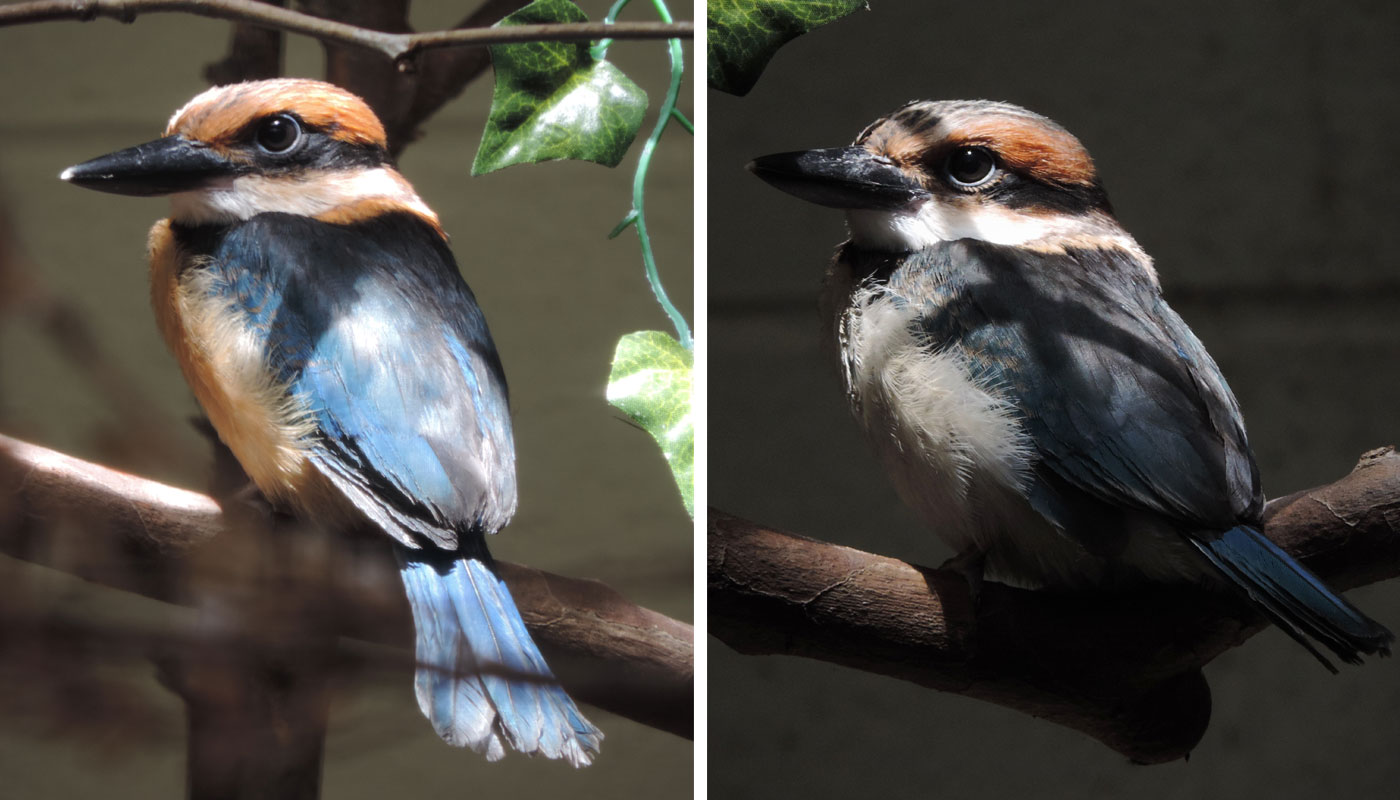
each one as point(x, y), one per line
point(1014, 192)
point(313, 150)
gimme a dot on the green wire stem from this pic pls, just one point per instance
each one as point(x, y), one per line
point(668, 112)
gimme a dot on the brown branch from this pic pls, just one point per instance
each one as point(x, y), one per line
point(397, 46)
point(138, 535)
point(370, 74)
point(403, 99)
point(404, 76)
point(1126, 672)
point(443, 74)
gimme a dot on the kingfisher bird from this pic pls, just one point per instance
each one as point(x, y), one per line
point(319, 317)
point(1005, 344)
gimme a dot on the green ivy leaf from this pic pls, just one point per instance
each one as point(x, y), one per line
point(650, 382)
point(554, 100)
point(744, 34)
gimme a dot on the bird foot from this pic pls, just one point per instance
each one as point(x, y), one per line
point(251, 497)
point(971, 564)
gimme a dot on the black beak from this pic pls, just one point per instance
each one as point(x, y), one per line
point(165, 166)
point(840, 177)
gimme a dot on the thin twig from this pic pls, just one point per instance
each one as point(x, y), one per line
point(397, 46)
point(444, 73)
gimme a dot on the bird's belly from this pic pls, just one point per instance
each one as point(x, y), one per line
point(953, 447)
point(222, 357)
point(951, 443)
point(956, 453)
point(267, 428)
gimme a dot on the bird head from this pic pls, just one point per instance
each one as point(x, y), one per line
point(941, 171)
point(286, 145)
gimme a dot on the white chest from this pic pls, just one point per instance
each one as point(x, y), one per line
point(952, 446)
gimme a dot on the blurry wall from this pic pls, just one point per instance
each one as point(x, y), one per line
point(1250, 149)
point(596, 501)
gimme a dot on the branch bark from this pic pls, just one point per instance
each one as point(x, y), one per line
point(403, 99)
point(400, 47)
point(1125, 670)
point(141, 536)
point(443, 74)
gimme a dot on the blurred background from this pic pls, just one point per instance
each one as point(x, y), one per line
point(1251, 152)
point(596, 497)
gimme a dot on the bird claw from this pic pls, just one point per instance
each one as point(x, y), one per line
point(251, 497)
point(971, 564)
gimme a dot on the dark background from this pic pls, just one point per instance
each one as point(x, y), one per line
point(1250, 148)
point(596, 498)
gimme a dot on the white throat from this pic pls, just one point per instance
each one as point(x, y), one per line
point(931, 222)
point(307, 194)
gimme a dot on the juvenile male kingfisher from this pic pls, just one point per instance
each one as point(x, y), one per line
point(311, 300)
point(1005, 344)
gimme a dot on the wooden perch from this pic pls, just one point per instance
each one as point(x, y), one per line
point(141, 536)
point(1125, 669)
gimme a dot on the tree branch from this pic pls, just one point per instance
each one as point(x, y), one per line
point(398, 46)
point(403, 99)
point(141, 536)
point(443, 74)
point(1126, 672)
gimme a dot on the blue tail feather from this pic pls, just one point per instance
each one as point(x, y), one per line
point(1292, 597)
point(485, 621)
point(481, 680)
point(459, 709)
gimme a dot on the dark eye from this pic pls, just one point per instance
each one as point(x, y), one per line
point(278, 133)
point(970, 166)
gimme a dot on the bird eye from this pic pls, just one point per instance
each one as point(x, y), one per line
point(967, 167)
point(278, 133)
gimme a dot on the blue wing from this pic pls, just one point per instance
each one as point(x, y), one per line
point(374, 328)
point(1125, 410)
point(1119, 397)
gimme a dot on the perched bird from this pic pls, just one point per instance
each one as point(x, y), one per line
point(1005, 344)
point(311, 300)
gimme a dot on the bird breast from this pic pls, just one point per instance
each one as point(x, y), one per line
point(952, 445)
point(268, 429)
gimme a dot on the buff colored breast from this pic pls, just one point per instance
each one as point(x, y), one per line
point(268, 429)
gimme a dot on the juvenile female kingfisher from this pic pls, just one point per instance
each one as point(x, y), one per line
point(1005, 344)
point(311, 300)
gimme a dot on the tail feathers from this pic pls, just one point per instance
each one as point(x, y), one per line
point(481, 680)
point(1292, 597)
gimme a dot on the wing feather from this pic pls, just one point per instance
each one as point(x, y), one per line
point(1119, 397)
point(378, 334)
